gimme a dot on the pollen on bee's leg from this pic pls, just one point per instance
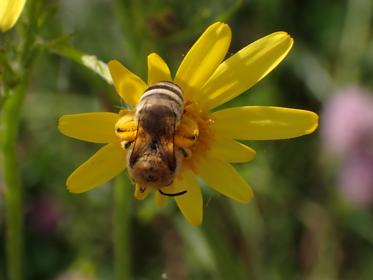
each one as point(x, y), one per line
point(187, 132)
point(141, 192)
point(126, 129)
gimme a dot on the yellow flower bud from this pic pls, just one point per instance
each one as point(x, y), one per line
point(9, 13)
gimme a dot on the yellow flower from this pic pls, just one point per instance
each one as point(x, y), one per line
point(207, 81)
point(9, 13)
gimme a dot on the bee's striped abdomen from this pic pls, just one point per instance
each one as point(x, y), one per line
point(162, 96)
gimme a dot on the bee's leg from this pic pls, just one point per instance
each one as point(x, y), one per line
point(126, 145)
point(126, 129)
point(185, 152)
point(141, 192)
point(187, 133)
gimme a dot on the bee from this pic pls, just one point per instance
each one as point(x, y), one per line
point(153, 158)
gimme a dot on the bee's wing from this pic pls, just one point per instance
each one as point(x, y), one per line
point(167, 144)
point(167, 152)
point(140, 146)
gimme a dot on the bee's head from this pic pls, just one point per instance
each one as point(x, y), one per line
point(151, 171)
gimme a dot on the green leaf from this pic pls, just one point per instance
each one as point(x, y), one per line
point(89, 61)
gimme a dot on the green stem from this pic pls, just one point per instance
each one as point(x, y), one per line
point(13, 188)
point(354, 40)
point(130, 15)
point(10, 121)
point(122, 208)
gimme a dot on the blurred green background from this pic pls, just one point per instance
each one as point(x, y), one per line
point(302, 224)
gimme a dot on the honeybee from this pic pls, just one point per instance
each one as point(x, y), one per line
point(153, 159)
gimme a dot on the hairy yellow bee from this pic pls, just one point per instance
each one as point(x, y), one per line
point(157, 137)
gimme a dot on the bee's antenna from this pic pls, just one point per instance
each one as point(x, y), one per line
point(173, 194)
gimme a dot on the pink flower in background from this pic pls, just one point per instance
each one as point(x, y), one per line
point(348, 122)
point(347, 131)
point(75, 275)
point(356, 180)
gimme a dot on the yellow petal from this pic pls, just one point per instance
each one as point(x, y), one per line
point(160, 199)
point(91, 127)
point(104, 165)
point(264, 123)
point(128, 85)
point(10, 10)
point(203, 58)
point(157, 69)
point(224, 178)
point(229, 150)
point(190, 203)
point(141, 192)
point(244, 69)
